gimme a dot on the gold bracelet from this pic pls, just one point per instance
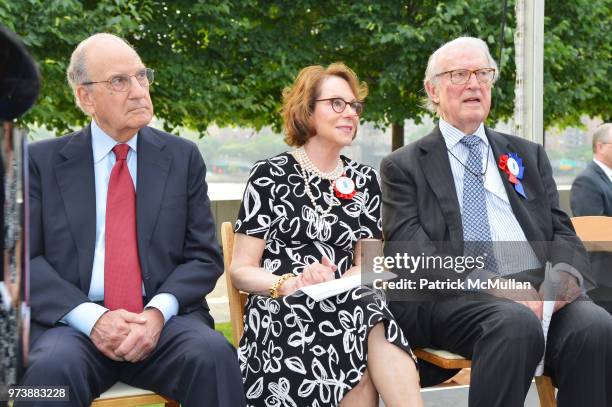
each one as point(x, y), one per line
point(278, 283)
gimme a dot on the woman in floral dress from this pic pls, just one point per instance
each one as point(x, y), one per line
point(302, 220)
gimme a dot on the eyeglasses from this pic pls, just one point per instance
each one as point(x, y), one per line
point(122, 83)
point(339, 104)
point(462, 76)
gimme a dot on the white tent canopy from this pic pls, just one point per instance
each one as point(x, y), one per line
point(529, 60)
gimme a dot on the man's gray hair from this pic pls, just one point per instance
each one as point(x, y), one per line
point(433, 69)
point(77, 69)
point(603, 134)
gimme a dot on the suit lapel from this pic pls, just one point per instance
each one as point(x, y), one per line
point(600, 173)
point(76, 182)
point(153, 168)
point(436, 167)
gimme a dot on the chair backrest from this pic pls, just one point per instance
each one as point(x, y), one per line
point(236, 298)
point(594, 231)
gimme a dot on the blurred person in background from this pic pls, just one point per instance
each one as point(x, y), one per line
point(592, 189)
point(592, 196)
point(19, 87)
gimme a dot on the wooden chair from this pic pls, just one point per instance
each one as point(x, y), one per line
point(594, 231)
point(236, 298)
point(123, 395)
point(448, 360)
point(441, 358)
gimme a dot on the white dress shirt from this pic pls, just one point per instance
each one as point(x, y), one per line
point(502, 222)
point(84, 316)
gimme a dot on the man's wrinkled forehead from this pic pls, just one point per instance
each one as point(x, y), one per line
point(458, 54)
point(111, 55)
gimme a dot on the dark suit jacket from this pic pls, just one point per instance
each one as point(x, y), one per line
point(592, 196)
point(177, 247)
point(420, 201)
point(592, 192)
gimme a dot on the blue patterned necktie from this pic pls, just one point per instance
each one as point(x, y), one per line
point(476, 229)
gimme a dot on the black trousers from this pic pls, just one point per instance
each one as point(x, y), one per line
point(505, 342)
point(192, 364)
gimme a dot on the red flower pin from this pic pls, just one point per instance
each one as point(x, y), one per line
point(512, 165)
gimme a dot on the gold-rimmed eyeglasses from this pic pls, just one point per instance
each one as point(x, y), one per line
point(123, 82)
point(462, 76)
point(338, 105)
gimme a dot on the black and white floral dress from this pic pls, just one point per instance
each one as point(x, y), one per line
point(296, 351)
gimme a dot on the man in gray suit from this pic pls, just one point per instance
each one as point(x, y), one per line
point(454, 186)
point(592, 189)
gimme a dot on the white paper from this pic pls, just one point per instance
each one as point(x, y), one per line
point(550, 286)
point(5, 296)
point(328, 289)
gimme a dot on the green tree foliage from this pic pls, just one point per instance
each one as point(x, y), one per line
point(227, 61)
point(51, 29)
point(577, 61)
point(388, 43)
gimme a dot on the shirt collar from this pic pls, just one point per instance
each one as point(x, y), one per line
point(453, 135)
point(607, 170)
point(102, 143)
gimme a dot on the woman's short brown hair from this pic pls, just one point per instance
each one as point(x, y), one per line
point(299, 99)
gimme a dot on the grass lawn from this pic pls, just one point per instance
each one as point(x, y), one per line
point(226, 329)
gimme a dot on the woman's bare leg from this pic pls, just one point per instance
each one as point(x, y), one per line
point(393, 371)
point(362, 395)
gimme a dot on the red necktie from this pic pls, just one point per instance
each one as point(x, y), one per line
point(122, 278)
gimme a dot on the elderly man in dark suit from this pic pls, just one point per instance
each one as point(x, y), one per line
point(592, 189)
point(451, 186)
point(123, 248)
